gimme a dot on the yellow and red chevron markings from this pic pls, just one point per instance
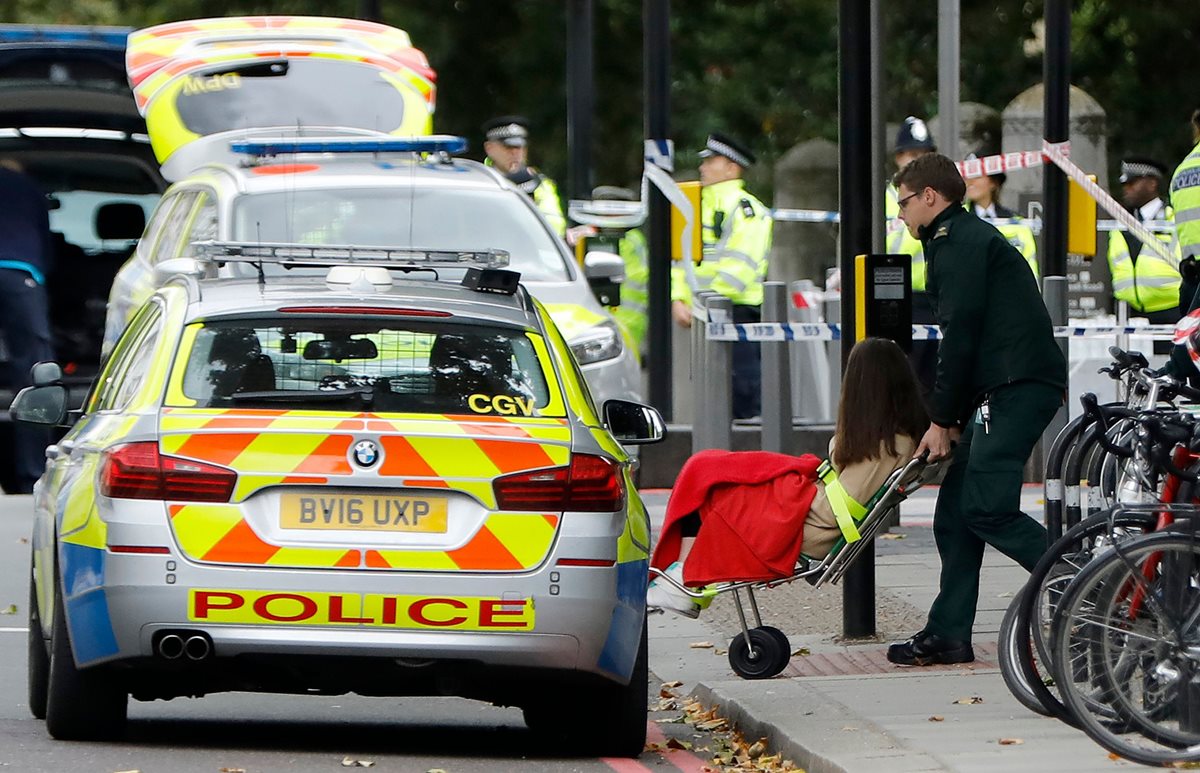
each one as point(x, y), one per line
point(157, 54)
point(312, 448)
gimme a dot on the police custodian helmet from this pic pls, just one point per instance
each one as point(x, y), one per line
point(914, 135)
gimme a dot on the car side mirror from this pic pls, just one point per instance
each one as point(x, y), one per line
point(42, 405)
point(605, 272)
point(166, 269)
point(45, 374)
point(632, 423)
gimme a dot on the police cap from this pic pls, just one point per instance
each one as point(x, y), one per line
point(1135, 167)
point(914, 135)
point(512, 130)
point(719, 144)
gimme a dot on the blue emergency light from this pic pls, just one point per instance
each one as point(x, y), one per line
point(29, 33)
point(434, 143)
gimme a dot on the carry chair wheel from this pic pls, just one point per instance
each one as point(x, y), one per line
point(765, 657)
point(782, 638)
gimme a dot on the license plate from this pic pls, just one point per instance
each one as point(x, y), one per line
point(363, 512)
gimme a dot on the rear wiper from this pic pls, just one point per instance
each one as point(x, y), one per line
point(305, 395)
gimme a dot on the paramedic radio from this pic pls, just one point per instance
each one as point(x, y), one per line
point(885, 301)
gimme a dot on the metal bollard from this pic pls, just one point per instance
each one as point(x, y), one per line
point(809, 362)
point(699, 388)
point(719, 377)
point(777, 434)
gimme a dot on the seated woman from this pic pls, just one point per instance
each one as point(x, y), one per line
point(747, 516)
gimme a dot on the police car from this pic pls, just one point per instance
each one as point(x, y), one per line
point(207, 86)
point(385, 476)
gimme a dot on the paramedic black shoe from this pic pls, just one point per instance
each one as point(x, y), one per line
point(925, 649)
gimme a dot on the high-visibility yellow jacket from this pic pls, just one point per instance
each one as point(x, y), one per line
point(900, 242)
point(635, 298)
point(1185, 199)
point(736, 239)
point(1145, 281)
point(1019, 235)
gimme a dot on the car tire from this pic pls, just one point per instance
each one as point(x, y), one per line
point(38, 668)
point(81, 705)
point(613, 723)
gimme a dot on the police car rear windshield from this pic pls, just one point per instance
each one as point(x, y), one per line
point(433, 218)
point(365, 365)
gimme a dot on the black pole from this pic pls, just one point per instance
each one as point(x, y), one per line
point(656, 61)
point(580, 98)
point(370, 10)
point(1056, 77)
point(854, 198)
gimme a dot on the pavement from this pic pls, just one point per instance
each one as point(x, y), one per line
point(840, 707)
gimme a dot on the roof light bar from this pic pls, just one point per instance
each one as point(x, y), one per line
point(434, 143)
point(336, 255)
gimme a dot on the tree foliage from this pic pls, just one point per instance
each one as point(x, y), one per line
point(764, 70)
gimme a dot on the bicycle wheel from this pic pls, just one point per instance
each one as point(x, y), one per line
point(1007, 653)
point(1125, 635)
point(1050, 577)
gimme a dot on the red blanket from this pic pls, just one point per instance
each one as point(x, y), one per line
point(752, 505)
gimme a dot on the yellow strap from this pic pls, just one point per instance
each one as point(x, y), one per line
point(846, 509)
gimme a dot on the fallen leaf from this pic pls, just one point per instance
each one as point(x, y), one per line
point(1011, 742)
point(720, 651)
point(675, 743)
point(669, 720)
point(232, 770)
point(757, 748)
point(720, 723)
point(701, 645)
point(849, 728)
point(665, 704)
point(801, 652)
point(937, 718)
point(664, 693)
point(890, 535)
point(11, 609)
point(672, 685)
point(350, 762)
point(970, 701)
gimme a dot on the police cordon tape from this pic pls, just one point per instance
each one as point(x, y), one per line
point(828, 331)
point(1034, 223)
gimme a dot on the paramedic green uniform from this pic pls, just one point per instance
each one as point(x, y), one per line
point(997, 346)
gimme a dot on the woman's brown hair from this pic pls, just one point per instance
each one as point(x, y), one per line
point(880, 399)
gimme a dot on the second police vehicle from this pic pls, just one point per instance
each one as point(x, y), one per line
point(204, 84)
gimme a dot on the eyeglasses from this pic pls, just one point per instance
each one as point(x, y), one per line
point(904, 201)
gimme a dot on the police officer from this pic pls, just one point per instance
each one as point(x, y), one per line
point(984, 194)
point(1000, 380)
point(506, 142)
point(913, 140)
point(26, 252)
point(1141, 277)
point(736, 238)
point(631, 315)
point(1185, 199)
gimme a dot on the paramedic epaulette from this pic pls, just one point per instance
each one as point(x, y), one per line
point(747, 208)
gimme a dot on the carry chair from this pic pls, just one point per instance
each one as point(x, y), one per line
point(763, 651)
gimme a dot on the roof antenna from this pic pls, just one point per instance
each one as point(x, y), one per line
point(262, 277)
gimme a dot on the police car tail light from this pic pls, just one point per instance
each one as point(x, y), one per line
point(589, 484)
point(139, 471)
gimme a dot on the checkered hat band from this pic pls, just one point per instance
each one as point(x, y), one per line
point(1133, 169)
point(504, 132)
point(716, 146)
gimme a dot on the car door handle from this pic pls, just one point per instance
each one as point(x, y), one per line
point(66, 446)
point(53, 452)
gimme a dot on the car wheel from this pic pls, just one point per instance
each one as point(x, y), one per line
point(81, 705)
point(616, 726)
point(38, 669)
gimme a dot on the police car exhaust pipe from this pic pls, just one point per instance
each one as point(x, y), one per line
point(197, 647)
point(171, 646)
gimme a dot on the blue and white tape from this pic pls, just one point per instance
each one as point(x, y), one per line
point(827, 331)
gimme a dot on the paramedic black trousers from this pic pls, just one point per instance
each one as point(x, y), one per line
point(980, 501)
